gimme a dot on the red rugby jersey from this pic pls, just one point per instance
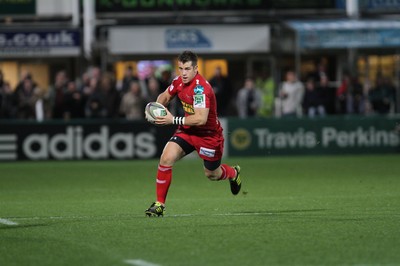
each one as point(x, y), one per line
point(198, 93)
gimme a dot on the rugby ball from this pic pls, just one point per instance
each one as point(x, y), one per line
point(154, 109)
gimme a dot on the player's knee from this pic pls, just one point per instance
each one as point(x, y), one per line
point(167, 159)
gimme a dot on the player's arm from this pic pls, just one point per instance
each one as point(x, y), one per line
point(164, 98)
point(199, 117)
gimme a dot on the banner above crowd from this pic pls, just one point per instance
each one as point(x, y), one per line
point(61, 42)
point(204, 38)
point(346, 33)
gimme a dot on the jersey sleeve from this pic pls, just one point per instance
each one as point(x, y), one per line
point(173, 88)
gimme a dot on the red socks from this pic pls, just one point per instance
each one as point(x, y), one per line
point(227, 172)
point(164, 176)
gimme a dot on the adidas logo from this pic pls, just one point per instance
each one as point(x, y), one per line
point(8, 147)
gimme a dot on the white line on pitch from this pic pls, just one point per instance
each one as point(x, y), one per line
point(140, 263)
point(7, 222)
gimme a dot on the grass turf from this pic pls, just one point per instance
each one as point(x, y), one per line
point(294, 211)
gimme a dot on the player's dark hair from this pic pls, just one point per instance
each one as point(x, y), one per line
point(188, 56)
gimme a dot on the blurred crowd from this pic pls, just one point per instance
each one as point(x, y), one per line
point(99, 95)
point(318, 97)
point(93, 95)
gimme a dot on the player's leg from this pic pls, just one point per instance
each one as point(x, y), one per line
point(173, 151)
point(171, 154)
point(216, 171)
point(210, 149)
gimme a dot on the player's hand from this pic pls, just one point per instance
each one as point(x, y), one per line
point(164, 120)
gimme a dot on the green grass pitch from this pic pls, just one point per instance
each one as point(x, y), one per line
point(326, 210)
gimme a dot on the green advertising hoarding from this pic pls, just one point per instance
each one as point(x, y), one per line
point(337, 135)
point(17, 7)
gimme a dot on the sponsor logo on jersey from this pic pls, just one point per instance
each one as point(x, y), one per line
point(198, 89)
point(207, 152)
point(199, 101)
point(188, 108)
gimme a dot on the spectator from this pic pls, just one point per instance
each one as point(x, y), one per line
point(222, 89)
point(95, 72)
point(112, 98)
point(153, 89)
point(39, 102)
point(341, 94)
point(132, 104)
point(7, 101)
point(291, 95)
point(266, 84)
point(129, 76)
point(328, 95)
point(319, 72)
point(313, 101)
point(74, 102)
point(165, 79)
point(25, 74)
point(84, 82)
point(95, 105)
point(151, 74)
point(389, 98)
point(356, 99)
point(382, 96)
point(26, 100)
point(56, 95)
point(248, 100)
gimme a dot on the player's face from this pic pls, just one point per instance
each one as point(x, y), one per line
point(187, 71)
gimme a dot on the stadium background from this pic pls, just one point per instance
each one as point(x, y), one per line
point(244, 38)
point(83, 203)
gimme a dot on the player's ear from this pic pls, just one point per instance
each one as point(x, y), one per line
point(195, 68)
